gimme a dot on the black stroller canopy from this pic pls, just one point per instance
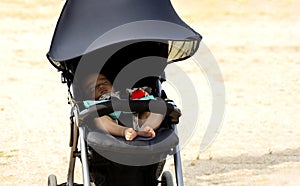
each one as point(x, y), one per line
point(89, 25)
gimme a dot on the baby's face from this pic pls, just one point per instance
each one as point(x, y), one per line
point(97, 85)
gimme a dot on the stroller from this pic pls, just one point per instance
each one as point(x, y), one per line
point(133, 42)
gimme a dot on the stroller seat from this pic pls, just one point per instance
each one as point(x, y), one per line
point(133, 152)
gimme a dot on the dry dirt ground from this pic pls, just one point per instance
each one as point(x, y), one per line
point(256, 45)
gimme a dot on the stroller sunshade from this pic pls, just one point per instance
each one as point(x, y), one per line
point(86, 26)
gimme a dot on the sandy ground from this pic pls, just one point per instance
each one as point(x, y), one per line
point(257, 47)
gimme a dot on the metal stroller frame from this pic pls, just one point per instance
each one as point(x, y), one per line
point(79, 136)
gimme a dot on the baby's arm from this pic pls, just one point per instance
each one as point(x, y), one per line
point(108, 125)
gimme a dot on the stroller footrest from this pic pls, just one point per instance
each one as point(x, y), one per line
point(134, 152)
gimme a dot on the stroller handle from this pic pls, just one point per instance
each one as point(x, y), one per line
point(165, 107)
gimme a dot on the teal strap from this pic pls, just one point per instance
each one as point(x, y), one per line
point(88, 103)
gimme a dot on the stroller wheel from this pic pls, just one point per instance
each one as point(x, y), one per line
point(167, 179)
point(52, 181)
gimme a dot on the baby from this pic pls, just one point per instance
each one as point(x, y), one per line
point(97, 86)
